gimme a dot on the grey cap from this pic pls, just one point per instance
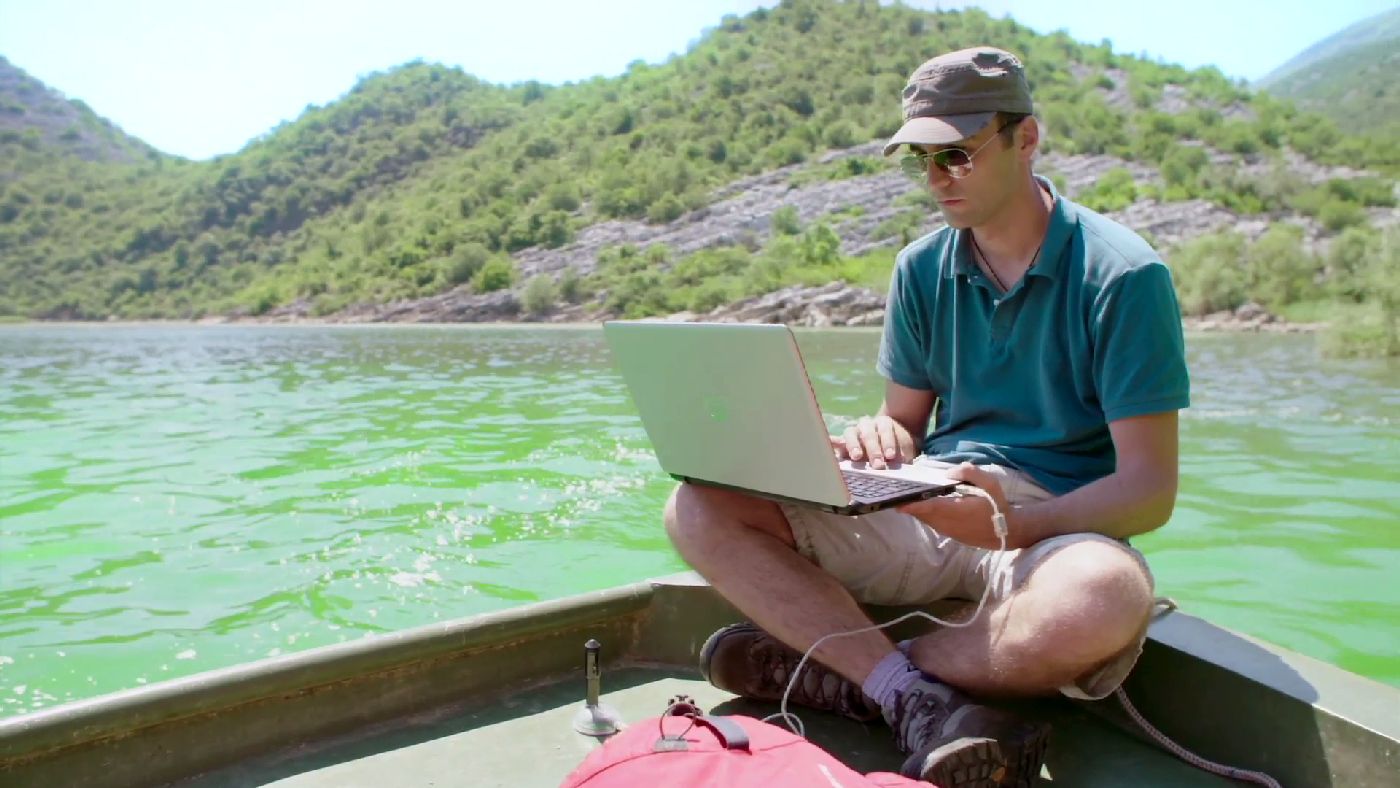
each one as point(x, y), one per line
point(952, 96)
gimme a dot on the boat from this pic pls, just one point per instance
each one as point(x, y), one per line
point(491, 700)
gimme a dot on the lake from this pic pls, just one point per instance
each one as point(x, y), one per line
point(179, 498)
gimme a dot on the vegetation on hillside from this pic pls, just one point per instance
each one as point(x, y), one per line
point(40, 128)
point(424, 178)
point(1350, 75)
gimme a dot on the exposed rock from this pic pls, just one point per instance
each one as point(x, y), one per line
point(1252, 311)
point(856, 208)
point(1246, 317)
point(834, 304)
point(1080, 171)
point(455, 306)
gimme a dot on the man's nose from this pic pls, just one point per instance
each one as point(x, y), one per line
point(937, 176)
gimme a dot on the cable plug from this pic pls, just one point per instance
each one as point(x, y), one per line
point(1000, 527)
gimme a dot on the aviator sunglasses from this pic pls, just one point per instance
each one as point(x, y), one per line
point(954, 161)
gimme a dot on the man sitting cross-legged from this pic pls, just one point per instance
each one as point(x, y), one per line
point(1044, 342)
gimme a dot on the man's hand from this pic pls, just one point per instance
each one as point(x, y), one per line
point(878, 440)
point(966, 517)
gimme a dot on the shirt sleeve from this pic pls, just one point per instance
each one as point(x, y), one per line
point(1139, 350)
point(903, 355)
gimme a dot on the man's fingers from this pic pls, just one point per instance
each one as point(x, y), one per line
point(906, 444)
point(838, 446)
point(870, 442)
point(852, 440)
point(889, 446)
point(967, 472)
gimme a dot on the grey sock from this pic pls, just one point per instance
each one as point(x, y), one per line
point(892, 676)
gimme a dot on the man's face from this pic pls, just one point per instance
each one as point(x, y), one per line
point(971, 200)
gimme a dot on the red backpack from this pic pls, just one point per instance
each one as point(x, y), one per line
point(686, 749)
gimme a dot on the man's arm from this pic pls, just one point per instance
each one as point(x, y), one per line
point(910, 407)
point(1136, 498)
point(896, 433)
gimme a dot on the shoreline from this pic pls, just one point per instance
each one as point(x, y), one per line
point(1199, 325)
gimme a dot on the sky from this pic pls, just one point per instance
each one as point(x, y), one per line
point(199, 78)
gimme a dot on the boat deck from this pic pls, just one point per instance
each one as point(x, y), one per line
point(526, 739)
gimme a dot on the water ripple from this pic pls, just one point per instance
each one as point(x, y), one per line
point(177, 499)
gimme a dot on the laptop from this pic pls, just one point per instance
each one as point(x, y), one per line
point(730, 405)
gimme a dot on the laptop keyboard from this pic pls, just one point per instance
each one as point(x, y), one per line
point(868, 486)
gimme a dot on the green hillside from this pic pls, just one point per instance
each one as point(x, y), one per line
point(39, 126)
point(1351, 74)
point(423, 178)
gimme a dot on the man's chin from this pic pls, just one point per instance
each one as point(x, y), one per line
point(955, 220)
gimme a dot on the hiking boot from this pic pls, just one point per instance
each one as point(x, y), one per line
point(745, 660)
point(955, 743)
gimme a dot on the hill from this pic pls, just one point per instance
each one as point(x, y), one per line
point(1351, 74)
point(37, 123)
point(426, 183)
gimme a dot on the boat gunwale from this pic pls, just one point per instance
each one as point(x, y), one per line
point(126, 712)
point(1312, 721)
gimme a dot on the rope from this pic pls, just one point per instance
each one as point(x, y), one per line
point(1188, 756)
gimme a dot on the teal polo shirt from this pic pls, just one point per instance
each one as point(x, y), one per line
point(1030, 379)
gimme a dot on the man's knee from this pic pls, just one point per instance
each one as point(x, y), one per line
point(697, 516)
point(1100, 585)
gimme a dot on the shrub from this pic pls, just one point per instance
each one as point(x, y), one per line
point(540, 295)
point(1337, 215)
point(466, 260)
point(821, 246)
point(1280, 270)
point(785, 221)
point(666, 209)
point(497, 274)
point(571, 287)
point(1209, 273)
point(842, 134)
point(1370, 332)
point(563, 197)
point(1113, 191)
point(710, 294)
point(1182, 164)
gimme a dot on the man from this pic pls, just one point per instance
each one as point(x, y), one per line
point(1044, 341)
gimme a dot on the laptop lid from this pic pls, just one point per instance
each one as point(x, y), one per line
point(729, 403)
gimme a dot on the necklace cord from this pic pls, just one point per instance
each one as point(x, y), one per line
point(987, 261)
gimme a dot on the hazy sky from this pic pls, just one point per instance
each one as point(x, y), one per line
point(201, 77)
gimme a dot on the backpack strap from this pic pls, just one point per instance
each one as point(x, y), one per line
point(730, 733)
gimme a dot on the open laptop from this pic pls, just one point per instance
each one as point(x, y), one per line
point(730, 405)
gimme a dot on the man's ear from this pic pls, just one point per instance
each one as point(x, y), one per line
point(1028, 137)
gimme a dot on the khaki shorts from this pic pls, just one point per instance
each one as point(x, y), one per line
point(892, 558)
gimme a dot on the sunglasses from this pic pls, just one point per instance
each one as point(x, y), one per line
point(954, 161)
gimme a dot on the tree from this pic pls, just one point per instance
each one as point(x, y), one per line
point(497, 274)
point(1280, 270)
point(540, 295)
point(466, 260)
point(1209, 273)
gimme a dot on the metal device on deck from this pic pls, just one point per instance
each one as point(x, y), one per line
point(595, 718)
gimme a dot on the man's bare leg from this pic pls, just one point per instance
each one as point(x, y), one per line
point(744, 547)
point(1081, 606)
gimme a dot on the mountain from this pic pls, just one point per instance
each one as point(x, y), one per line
point(38, 123)
point(1351, 74)
point(424, 182)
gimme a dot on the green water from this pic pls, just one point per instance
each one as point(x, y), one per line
point(177, 499)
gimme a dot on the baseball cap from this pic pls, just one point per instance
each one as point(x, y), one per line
point(952, 96)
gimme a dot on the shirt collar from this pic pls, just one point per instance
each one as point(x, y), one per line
point(1048, 262)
